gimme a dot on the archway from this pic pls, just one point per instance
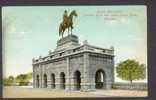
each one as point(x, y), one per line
point(52, 80)
point(62, 80)
point(100, 79)
point(37, 81)
point(77, 76)
point(45, 81)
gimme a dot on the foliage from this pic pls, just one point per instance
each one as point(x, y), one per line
point(8, 81)
point(130, 70)
point(29, 75)
point(22, 79)
point(11, 79)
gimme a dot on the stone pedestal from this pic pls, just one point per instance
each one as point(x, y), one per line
point(67, 42)
point(67, 39)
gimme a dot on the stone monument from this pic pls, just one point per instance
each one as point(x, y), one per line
point(72, 66)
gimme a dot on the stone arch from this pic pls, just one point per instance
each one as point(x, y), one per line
point(37, 81)
point(52, 80)
point(62, 80)
point(100, 79)
point(77, 79)
point(45, 80)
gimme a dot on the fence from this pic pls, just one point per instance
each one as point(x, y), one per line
point(133, 86)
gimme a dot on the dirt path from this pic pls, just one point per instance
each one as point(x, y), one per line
point(28, 92)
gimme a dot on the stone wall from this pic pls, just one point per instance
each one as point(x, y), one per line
point(105, 63)
point(85, 63)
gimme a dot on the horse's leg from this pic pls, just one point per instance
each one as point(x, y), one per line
point(71, 29)
point(68, 30)
point(62, 33)
point(60, 29)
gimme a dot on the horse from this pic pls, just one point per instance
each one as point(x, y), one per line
point(68, 24)
point(62, 28)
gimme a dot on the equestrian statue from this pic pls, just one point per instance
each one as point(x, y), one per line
point(67, 22)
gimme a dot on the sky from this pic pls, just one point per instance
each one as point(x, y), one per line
point(31, 31)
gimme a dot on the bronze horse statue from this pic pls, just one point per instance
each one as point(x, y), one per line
point(67, 23)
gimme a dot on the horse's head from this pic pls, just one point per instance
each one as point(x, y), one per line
point(74, 13)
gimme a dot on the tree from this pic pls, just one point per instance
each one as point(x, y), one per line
point(8, 81)
point(130, 70)
point(22, 79)
point(11, 79)
point(29, 75)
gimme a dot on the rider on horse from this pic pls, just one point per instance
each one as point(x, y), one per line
point(67, 22)
point(65, 17)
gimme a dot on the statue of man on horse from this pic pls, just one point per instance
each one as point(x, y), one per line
point(67, 22)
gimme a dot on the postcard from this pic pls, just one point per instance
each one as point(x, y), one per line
point(74, 51)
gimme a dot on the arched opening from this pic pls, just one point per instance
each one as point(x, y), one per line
point(45, 81)
point(62, 80)
point(37, 81)
point(52, 80)
point(77, 76)
point(100, 79)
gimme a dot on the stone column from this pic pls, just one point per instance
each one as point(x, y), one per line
point(49, 83)
point(61, 83)
point(72, 84)
point(109, 78)
point(42, 82)
point(34, 83)
point(108, 84)
point(85, 83)
point(68, 75)
point(58, 83)
point(34, 78)
point(113, 71)
point(40, 76)
point(91, 83)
